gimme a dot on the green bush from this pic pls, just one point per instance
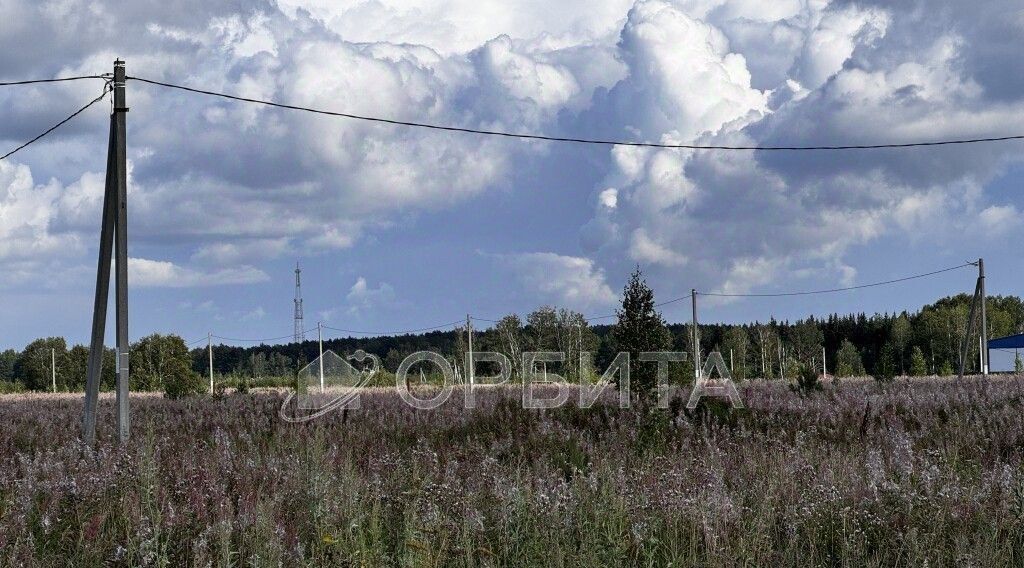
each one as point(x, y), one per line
point(11, 387)
point(180, 385)
point(807, 381)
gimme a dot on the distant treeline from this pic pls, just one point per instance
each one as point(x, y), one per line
point(926, 342)
point(920, 343)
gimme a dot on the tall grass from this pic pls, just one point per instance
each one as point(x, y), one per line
point(913, 473)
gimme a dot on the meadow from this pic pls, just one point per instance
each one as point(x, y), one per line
point(913, 473)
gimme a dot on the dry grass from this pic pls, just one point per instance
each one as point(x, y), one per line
point(917, 472)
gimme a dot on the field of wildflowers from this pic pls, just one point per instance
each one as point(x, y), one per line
point(913, 473)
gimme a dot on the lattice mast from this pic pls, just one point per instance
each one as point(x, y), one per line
point(300, 333)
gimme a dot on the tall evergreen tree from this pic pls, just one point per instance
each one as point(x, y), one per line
point(640, 328)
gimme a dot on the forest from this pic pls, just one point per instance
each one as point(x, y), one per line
point(925, 342)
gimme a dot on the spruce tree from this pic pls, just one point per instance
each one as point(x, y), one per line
point(918, 365)
point(640, 328)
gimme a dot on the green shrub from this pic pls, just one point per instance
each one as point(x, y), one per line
point(11, 387)
point(807, 381)
point(182, 382)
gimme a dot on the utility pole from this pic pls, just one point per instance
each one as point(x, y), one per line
point(469, 329)
point(209, 350)
point(824, 366)
point(984, 318)
point(696, 337)
point(320, 344)
point(53, 367)
point(113, 235)
point(977, 304)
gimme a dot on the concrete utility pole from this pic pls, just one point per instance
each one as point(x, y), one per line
point(696, 337)
point(984, 318)
point(209, 349)
point(469, 372)
point(53, 368)
point(978, 304)
point(824, 366)
point(320, 344)
point(113, 234)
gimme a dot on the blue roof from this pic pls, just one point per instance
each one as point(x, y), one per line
point(1010, 342)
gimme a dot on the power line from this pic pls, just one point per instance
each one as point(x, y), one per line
point(58, 125)
point(248, 340)
point(780, 294)
point(57, 80)
point(258, 340)
point(832, 290)
point(395, 332)
point(594, 141)
point(609, 316)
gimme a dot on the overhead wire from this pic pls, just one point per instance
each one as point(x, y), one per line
point(779, 294)
point(395, 332)
point(522, 136)
point(256, 340)
point(58, 125)
point(54, 80)
point(833, 290)
point(608, 316)
point(546, 138)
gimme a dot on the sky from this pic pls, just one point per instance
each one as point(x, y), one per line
point(398, 228)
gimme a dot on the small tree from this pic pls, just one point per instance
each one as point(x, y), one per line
point(887, 366)
point(848, 361)
point(946, 369)
point(918, 365)
point(807, 381)
point(640, 328)
point(1018, 364)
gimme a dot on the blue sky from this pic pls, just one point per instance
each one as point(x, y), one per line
point(399, 229)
